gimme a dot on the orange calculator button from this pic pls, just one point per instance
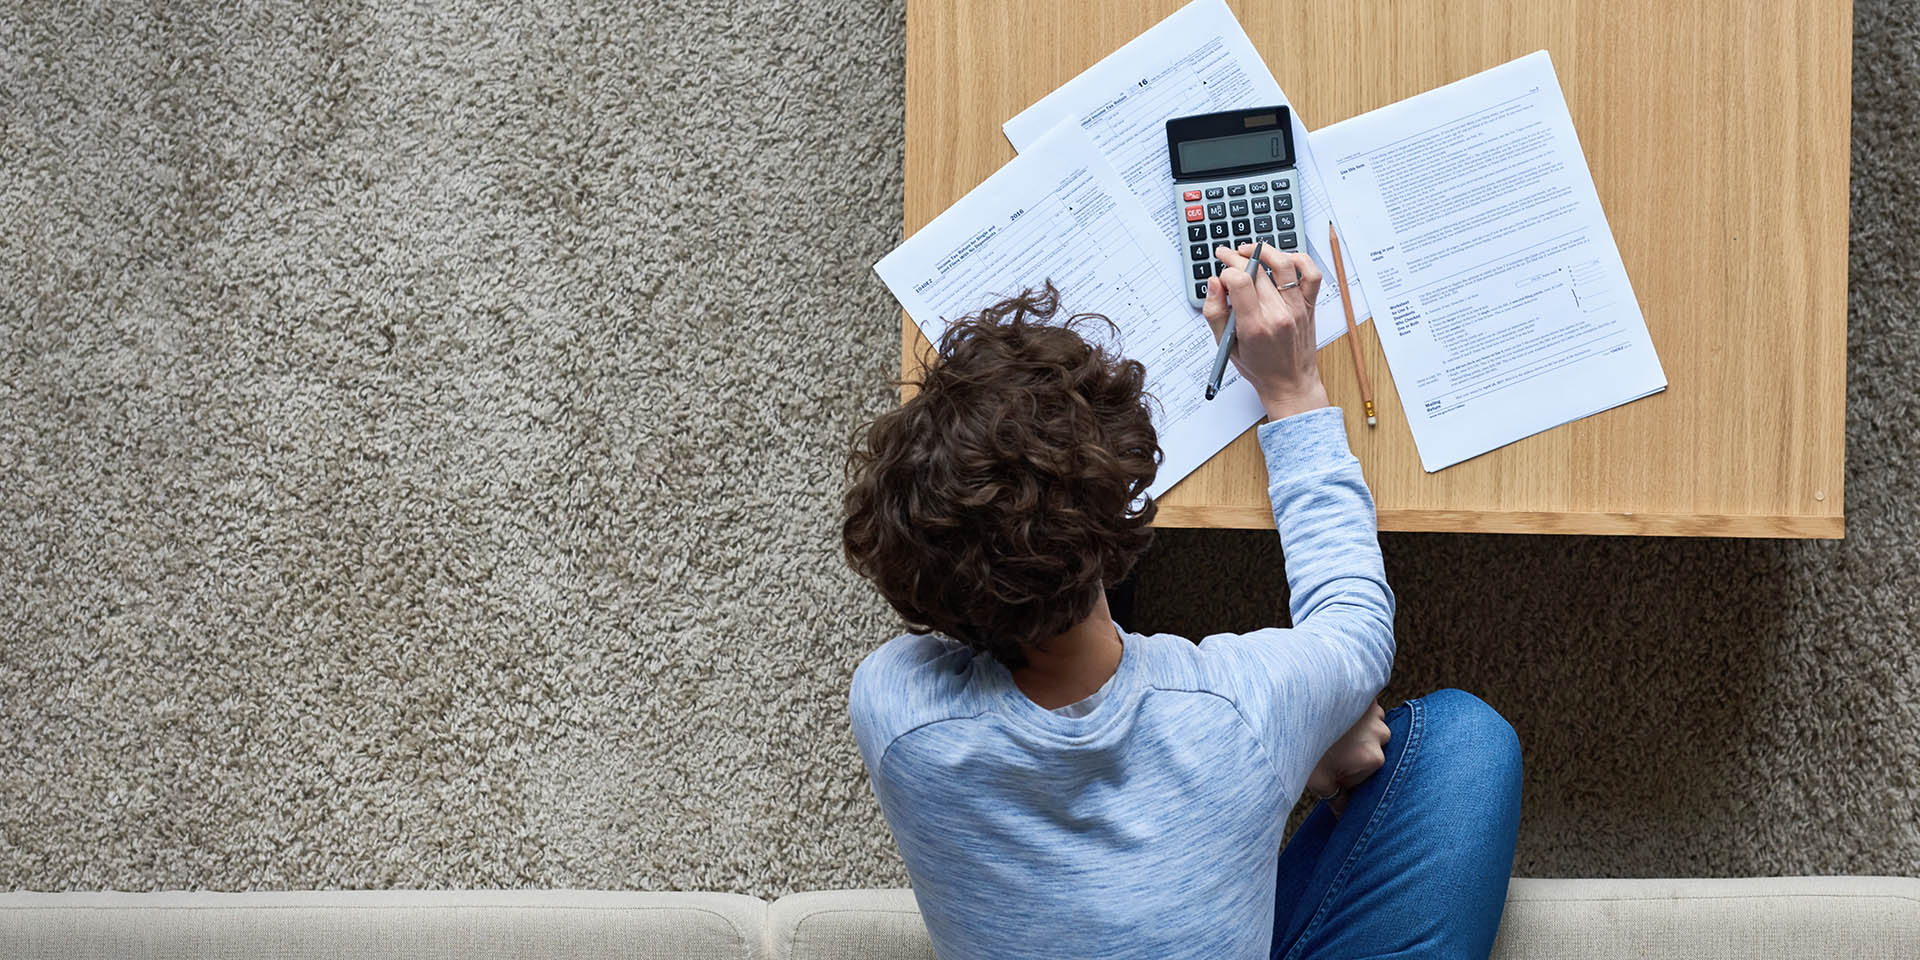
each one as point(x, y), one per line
point(1196, 212)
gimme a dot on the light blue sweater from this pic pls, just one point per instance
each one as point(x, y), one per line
point(1150, 827)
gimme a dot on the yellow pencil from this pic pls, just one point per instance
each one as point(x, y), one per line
point(1353, 332)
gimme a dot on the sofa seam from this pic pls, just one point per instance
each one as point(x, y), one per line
point(1911, 898)
point(793, 933)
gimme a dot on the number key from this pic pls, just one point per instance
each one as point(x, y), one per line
point(1199, 251)
point(1196, 232)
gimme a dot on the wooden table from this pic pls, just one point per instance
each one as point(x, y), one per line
point(1717, 132)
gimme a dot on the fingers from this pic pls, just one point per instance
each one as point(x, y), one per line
point(1287, 268)
point(1234, 260)
point(1239, 285)
point(1309, 277)
point(1215, 307)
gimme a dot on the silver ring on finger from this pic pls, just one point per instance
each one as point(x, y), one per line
point(1290, 284)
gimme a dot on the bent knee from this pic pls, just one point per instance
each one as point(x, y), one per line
point(1463, 726)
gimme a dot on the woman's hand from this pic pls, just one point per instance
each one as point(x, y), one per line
point(1352, 758)
point(1273, 329)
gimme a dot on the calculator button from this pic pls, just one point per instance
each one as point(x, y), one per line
point(1280, 184)
point(1199, 251)
point(1287, 242)
point(1200, 290)
point(1237, 208)
point(1260, 187)
point(1263, 224)
point(1261, 205)
point(1266, 238)
point(1217, 229)
point(1190, 196)
point(1286, 221)
point(1216, 210)
point(1240, 229)
point(1214, 193)
point(1219, 269)
point(1201, 271)
point(1282, 203)
point(1196, 232)
point(1195, 213)
point(1237, 190)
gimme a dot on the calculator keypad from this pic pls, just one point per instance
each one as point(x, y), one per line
point(1235, 211)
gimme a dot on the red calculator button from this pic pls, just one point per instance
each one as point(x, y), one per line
point(1196, 212)
point(1190, 196)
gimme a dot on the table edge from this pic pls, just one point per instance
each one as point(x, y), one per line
point(1415, 520)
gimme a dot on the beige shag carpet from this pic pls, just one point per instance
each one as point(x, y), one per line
point(408, 479)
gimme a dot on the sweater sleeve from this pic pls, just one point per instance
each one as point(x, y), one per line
point(1301, 688)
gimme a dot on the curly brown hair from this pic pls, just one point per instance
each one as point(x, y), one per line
point(996, 504)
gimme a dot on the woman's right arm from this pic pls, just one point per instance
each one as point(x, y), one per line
point(1341, 646)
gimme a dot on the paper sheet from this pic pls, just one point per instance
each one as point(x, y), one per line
point(1059, 211)
point(1504, 309)
point(1198, 60)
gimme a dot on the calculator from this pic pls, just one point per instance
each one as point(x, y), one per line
point(1234, 182)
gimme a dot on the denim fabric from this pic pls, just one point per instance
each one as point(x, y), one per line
point(1417, 865)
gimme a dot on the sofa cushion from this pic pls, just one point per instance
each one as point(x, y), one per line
point(848, 925)
point(468, 925)
point(1775, 918)
point(1793, 918)
point(1877, 918)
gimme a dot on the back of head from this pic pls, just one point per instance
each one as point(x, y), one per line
point(996, 504)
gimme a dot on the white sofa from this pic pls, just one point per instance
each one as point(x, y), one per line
point(1877, 918)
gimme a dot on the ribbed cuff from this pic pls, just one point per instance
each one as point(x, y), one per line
point(1305, 444)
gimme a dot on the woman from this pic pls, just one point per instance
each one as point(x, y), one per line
point(1059, 787)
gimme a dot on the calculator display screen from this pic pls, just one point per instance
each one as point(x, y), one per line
point(1242, 150)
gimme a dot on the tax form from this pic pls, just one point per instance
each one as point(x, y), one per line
point(1198, 60)
point(1058, 211)
point(1504, 309)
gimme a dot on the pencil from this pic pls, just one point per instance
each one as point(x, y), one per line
point(1226, 335)
point(1353, 332)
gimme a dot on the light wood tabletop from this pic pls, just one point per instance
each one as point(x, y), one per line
point(1717, 132)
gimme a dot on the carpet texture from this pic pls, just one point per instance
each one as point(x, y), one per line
point(405, 480)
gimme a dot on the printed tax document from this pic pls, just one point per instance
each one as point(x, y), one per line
point(1504, 309)
point(1198, 60)
point(1058, 211)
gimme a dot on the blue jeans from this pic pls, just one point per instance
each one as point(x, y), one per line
point(1417, 865)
